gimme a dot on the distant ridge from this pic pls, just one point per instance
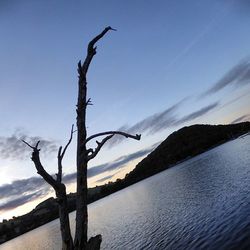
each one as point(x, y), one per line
point(185, 143)
point(179, 146)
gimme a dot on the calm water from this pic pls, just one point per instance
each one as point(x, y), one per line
point(203, 203)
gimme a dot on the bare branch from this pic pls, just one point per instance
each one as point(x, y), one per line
point(39, 167)
point(36, 147)
point(61, 154)
point(89, 102)
point(92, 50)
point(37, 144)
point(98, 37)
point(70, 139)
point(99, 146)
point(59, 163)
point(136, 137)
point(110, 135)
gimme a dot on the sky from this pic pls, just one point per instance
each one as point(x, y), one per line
point(170, 64)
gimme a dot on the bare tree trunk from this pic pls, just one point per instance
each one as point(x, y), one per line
point(81, 236)
point(67, 241)
point(81, 233)
point(84, 155)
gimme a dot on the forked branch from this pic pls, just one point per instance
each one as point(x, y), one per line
point(99, 146)
point(39, 167)
point(91, 51)
point(110, 134)
point(89, 102)
point(60, 155)
point(33, 147)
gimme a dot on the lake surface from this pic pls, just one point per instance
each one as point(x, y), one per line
point(202, 203)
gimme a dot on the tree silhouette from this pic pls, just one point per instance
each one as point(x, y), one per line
point(83, 156)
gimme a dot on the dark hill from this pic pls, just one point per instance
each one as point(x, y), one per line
point(185, 143)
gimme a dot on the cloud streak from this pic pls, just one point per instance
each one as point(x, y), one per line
point(20, 201)
point(14, 149)
point(197, 113)
point(118, 163)
point(22, 191)
point(105, 178)
point(151, 124)
point(160, 121)
point(237, 77)
point(242, 118)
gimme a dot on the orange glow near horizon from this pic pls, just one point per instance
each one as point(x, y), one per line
point(71, 188)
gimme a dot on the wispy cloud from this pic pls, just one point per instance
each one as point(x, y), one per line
point(110, 166)
point(118, 163)
point(235, 99)
point(13, 148)
point(22, 191)
point(105, 178)
point(197, 113)
point(151, 124)
point(11, 204)
point(242, 118)
point(237, 77)
point(160, 121)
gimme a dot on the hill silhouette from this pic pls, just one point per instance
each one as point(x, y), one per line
point(179, 146)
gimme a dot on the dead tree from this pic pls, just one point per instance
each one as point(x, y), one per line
point(60, 190)
point(83, 156)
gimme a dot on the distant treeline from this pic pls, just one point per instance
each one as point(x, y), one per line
point(179, 146)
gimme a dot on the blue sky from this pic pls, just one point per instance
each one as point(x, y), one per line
point(170, 64)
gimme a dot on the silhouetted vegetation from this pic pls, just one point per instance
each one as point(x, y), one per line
point(179, 146)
